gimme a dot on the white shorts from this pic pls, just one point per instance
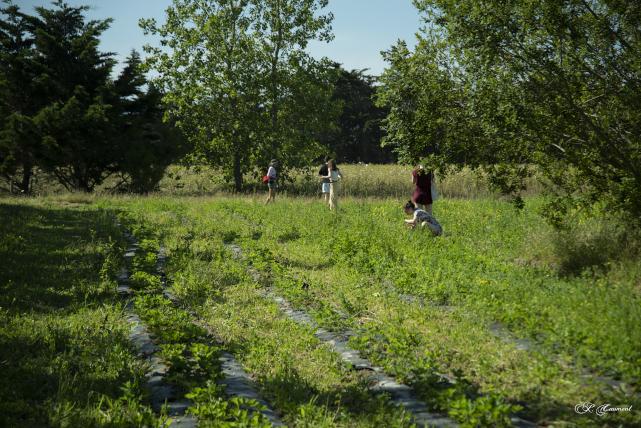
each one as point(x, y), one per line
point(325, 187)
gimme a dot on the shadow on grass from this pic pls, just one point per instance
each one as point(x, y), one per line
point(61, 345)
point(592, 244)
point(50, 257)
point(293, 395)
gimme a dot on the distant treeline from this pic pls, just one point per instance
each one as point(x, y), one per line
point(62, 113)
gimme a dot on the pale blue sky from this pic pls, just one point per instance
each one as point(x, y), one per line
point(362, 28)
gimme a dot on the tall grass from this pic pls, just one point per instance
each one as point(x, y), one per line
point(359, 180)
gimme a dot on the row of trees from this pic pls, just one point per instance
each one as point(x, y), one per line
point(63, 114)
point(493, 85)
point(234, 84)
point(242, 88)
point(507, 85)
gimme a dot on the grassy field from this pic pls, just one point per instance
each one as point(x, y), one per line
point(489, 267)
point(361, 180)
point(65, 357)
point(461, 305)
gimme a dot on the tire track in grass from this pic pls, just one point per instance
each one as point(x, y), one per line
point(161, 392)
point(500, 331)
point(236, 381)
point(401, 395)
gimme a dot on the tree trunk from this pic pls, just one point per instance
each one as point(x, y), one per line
point(238, 176)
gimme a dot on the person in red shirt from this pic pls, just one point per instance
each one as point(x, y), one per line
point(422, 196)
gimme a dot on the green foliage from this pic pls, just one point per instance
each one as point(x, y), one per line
point(357, 136)
point(151, 145)
point(493, 264)
point(490, 410)
point(126, 410)
point(75, 119)
point(239, 83)
point(305, 381)
point(541, 82)
point(213, 411)
point(170, 324)
point(144, 281)
point(485, 269)
point(18, 142)
point(62, 113)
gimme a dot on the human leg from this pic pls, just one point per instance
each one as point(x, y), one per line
point(271, 196)
point(333, 202)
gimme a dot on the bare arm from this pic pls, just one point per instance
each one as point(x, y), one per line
point(411, 222)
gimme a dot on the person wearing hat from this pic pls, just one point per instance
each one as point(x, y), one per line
point(271, 182)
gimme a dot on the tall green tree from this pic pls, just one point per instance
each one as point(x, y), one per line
point(550, 83)
point(358, 133)
point(61, 112)
point(238, 82)
point(19, 139)
point(77, 122)
point(150, 145)
point(297, 86)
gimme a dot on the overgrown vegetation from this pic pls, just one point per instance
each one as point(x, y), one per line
point(301, 377)
point(493, 265)
point(509, 85)
point(188, 349)
point(350, 271)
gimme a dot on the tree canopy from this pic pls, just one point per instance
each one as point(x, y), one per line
point(239, 83)
point(357, 134)
point(61, 111)
point(538, 82)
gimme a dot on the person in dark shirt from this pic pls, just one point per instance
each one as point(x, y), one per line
point(422, 196)
point(322, 173)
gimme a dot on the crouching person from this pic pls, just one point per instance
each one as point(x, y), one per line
point(422, 219)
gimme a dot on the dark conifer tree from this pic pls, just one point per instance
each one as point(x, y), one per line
point(150, 145)
point(358, 135)
point(77, 122)
point(19, 139)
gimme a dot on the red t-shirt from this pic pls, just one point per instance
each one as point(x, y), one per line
point(422, 180)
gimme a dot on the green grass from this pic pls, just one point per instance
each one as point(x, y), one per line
point(65, 357)
point(575, 294)
point(303, 378)
point(490, 266)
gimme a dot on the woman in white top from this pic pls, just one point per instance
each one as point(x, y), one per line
point(334, 176)
point(271, 184)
